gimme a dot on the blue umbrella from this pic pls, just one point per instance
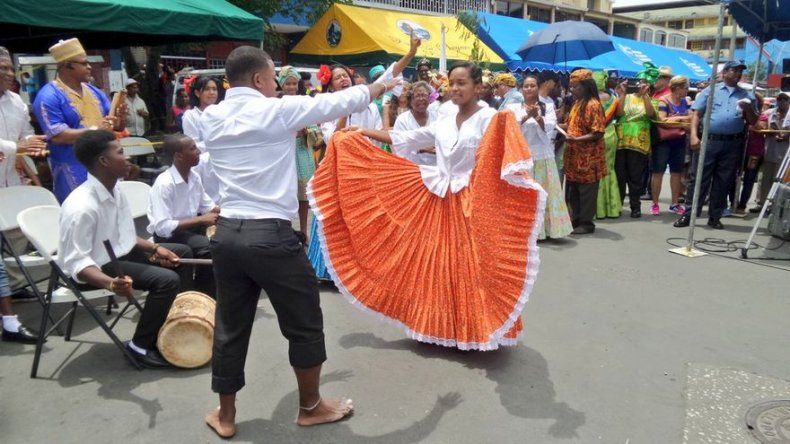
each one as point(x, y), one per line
point(563, 41)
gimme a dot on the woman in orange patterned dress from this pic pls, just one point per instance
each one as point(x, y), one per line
point(585, 160)
point(446, 251)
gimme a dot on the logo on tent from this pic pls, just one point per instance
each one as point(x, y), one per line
point(334, 33)
point(694, 67)
point(636, 56)
point(407, 26)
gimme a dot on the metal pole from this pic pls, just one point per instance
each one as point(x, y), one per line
point(756, 75)
point(733, 37)
point(705, 131)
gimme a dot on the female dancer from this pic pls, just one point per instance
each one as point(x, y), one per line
point(609, 203)
point(537, 120)
point(447, 251)
point(203, 92)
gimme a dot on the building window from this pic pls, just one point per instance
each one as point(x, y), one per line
point(646, 35)
point(660, 38)
point(677, 41)
point(689, 24)
point(561, 16)
point(510, 9)
point(539, 14)
point(740, 43)
point(625, 30)
point(603, 24)
point(675, 24)
point(591, 5)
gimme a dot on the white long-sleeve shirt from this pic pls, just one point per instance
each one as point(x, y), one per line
point(407, 122)
point(456, 149)
point(540, 145)
point(252, 143)
point(190, 122)
point(173, 199)
point(89, 216)
point(14, 126)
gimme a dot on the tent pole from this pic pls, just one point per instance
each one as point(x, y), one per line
point(688, 250)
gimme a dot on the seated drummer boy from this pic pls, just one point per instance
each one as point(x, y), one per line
point(97, 211)
point(180, 210)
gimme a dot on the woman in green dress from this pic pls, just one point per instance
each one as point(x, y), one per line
point(609, 202)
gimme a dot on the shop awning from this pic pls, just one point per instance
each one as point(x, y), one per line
point(33, 26)
point(505, 35)
point(365, 36)
point(762, 19)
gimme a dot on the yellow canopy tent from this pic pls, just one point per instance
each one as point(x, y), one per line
point(356, 35)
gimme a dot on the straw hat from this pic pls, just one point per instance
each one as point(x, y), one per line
point(66, 50)
point(665, 71)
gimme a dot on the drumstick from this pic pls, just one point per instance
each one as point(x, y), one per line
point(42, 153)
point(187, 261)
point(113, 259)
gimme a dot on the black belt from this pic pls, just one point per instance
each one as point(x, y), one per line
point(725, 137)
point(254, 222)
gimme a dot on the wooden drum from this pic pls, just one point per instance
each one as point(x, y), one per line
point(187, 336)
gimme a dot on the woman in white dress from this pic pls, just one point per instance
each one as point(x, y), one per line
point(417, 117)
point(537, 120)
point(203, 93)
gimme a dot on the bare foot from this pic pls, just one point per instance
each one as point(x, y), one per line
point(224, 429)
point(326, 411)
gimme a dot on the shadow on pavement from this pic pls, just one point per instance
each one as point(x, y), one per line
point(521, 375)
point(281, 427)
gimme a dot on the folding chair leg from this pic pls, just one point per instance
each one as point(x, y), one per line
point(126, 307)
point(42, 331)
point(70, 325)
point(107, 330)
point(6, 245)
point(110, 304)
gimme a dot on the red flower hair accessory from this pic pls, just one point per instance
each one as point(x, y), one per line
point(324, 74)
point(188, 84)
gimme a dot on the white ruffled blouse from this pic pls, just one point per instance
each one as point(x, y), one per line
point(456, 149)
point(539, 139)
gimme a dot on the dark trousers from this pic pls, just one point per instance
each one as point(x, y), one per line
point(630, 167)
point(750, 170)
point(198, 242)
point(582, 201)
point(162, 284)
point(718, 174)
point(250, 255)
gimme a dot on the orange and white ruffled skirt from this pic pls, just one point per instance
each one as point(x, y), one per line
point(454, 271)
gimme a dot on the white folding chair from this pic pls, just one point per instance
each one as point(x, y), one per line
point(14, 200)
point(37, 224)
point(142, 147)
point(139, 196)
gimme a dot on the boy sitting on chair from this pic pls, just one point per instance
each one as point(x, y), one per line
point(96, 211)
point(180, 210)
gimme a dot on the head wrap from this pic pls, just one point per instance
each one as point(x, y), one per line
point(66, 49)
point(505, 78)
point(286, 72)
point(649, 74)
point(488, 79)
point(424, 62)
point(600, 78)
point(581, 74)
point(376, 70)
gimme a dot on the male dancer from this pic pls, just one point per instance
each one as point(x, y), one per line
point(251, 137)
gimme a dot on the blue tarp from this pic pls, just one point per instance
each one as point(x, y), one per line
point(505, 35)
point(774, 53)
point(762, 19)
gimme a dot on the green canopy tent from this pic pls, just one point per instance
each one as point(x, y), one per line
point(33, 26)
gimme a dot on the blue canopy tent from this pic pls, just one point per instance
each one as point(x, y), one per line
point(505, 35)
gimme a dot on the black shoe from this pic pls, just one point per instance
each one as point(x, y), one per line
point(681, 199)
point(636, 214)
point(151, 359)
point(715, 224)
point(583, 229)
point(684, 221)
point(24, 336)
point(755, 210)
point(23, 294)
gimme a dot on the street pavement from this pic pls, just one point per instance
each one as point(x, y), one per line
point(625, 343)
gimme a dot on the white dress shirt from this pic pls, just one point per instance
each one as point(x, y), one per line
point(540, 145)
point(135, 123)
point(369, 118)
point(407, 122)
point(456, 149)
point(14, 125)
point(173, 199)
point(88, 217)
point(190, 122)
point(252, 142)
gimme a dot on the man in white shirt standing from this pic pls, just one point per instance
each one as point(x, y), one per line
point(16, 137)
point(97, 211)
point(251, 139)
point(136, 111)
point(180, 210)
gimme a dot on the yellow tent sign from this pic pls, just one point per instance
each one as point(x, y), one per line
point(364, 36)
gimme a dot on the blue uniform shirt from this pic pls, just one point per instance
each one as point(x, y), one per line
point(727, 116)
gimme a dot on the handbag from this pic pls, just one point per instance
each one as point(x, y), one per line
point(666, 132)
